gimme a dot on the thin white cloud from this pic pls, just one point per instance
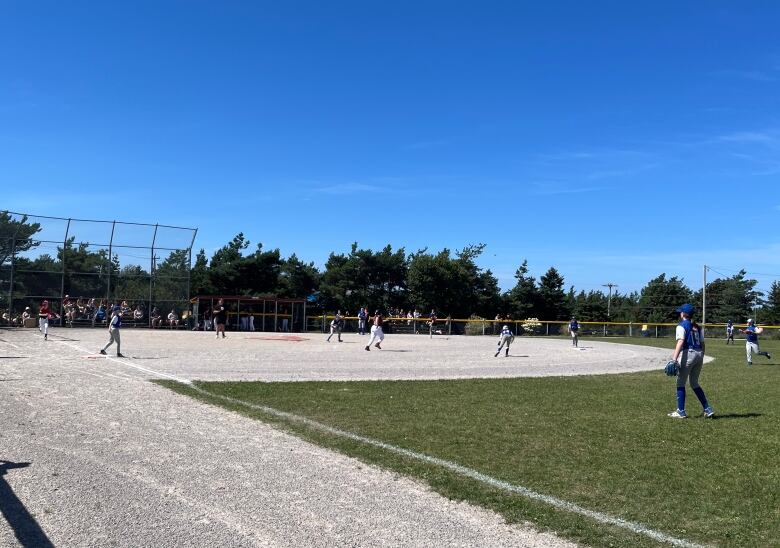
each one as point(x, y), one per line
point(427, 144)
point(752, 75)
point(347, 188)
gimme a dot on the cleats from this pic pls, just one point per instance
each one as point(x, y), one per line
point(496, 354)
point(677, 414)
point(102, 351)
point(768, 357)
point(118, 355)
point(377, 345)
point(708, 412)
point(368, 348)
point(750, 363)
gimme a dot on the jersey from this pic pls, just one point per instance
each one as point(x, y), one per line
point(750, 334)
point(574, 326)
point(506, 333)
point(691, 336)
point(116, 321)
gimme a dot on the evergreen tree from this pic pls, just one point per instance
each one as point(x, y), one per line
point(552, 299)
point(522, 298)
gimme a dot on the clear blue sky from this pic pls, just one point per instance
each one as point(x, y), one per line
point(613, 140)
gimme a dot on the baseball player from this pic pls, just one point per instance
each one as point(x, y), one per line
point(689, 353)
point(730, 332)
point(336, 326)
point(505, 338)
point(362, 317)
point(44, 315)
point(752, 331)
point(113, 331)
point(376, 332)
point(574, 329)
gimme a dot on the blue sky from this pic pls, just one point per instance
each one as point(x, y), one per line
point(612, 140)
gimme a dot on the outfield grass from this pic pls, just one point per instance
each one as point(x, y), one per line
point(603, 442)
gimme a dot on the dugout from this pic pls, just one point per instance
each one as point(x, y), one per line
point(253, 313)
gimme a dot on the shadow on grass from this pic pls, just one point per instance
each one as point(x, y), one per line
point(738, 416)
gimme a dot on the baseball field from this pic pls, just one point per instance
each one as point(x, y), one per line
point(268, 440)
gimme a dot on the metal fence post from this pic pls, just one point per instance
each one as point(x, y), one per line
point(110, 263)
point(11, 280)
point(64, 253)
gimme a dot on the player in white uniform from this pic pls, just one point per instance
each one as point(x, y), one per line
point(44, 315)
point(730, 332)
point(376, 332)
point(506, 337)
point(752, 331)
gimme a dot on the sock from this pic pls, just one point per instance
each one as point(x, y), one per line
point(702, 398)
point(681, 398)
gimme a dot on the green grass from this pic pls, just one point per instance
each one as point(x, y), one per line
point(603, 442)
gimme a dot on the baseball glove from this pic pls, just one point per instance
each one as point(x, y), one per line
point(672, 368)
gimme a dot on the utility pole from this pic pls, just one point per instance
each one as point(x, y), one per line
point(704, 302)
point(610, 285)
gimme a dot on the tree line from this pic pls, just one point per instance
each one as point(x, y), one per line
point(448, 281)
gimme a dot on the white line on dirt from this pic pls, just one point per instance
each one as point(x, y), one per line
point(555, 502)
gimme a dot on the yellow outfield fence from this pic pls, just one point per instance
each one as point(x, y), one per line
point(530, 327)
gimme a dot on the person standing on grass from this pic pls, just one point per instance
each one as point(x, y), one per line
point(220, 317)
point(376, 332)
point(689, 353)
point(752, 331)
point(574, 329)
point(113, 331)
point(730, 332)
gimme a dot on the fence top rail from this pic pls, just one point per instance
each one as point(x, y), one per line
point(541, 322)
point(31, 215)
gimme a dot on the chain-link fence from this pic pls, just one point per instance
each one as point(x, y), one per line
point(83, 267)
point(531, 328)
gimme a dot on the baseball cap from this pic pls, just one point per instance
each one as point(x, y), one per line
point(750, 320)
point(505, 327)
point(686, 308)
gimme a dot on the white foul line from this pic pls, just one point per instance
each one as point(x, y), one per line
point(560, 504)
point(467, 472)
point(128, 363)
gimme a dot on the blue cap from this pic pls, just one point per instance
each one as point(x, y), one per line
point(686, 308)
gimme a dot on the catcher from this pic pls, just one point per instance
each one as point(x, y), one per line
point(505, 338)
point(690, 351)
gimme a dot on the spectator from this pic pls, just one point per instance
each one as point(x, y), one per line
point(207, 320)
point(173, 319)
point(138, 314)
point(156, 317)
point(100, 315)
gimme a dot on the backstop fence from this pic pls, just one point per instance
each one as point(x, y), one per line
point(79, 265)
point(530, 327)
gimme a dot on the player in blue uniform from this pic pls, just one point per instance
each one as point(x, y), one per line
point(752, 331)
point(574, 329)
point(505, 338)
point(730, 332)
point(689, 352)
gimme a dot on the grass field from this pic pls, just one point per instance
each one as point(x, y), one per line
point(602, 442)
